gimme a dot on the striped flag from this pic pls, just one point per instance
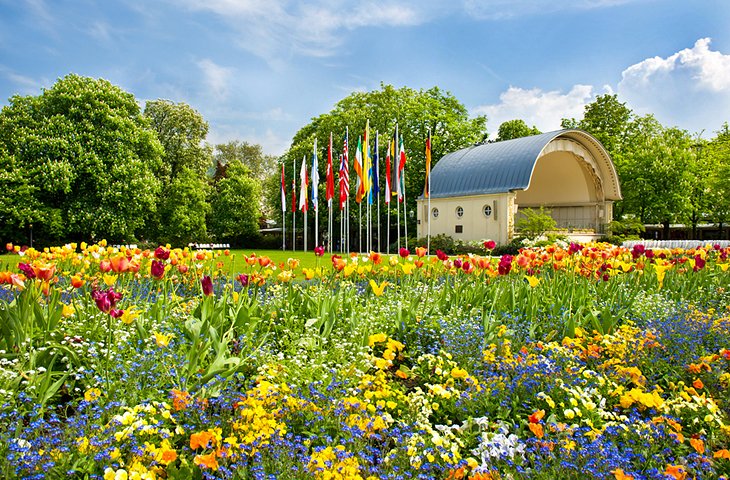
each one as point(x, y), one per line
point(344, 182)
point(330, 175)
point(303, 200)
point(358, 170)
point(367, 164)
point(294, 189)
point(283, 190)
point(387, 176)
point(376, 167)
point(401, 185)
point(315, 178)
point(427, 188)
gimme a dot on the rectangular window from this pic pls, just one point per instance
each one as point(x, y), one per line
point(460, 229)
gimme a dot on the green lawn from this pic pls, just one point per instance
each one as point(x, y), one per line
point(236, 263)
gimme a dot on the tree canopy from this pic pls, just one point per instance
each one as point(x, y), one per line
point(515, 129)
point(78, 161)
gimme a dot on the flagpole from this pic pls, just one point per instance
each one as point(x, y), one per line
point(428, 212)
point(294, 210)
point(397, 183)
point(405, 204)
point(377, 180)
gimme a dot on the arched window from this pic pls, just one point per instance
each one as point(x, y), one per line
point(487, 210)
point(459, 212)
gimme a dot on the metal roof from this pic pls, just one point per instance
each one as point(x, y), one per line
point(489, 168)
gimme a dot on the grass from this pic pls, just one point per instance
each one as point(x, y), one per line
point(236, 263)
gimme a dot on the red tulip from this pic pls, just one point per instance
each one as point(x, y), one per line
point(207, 285)
point(404, 252)
point(319, 251)
point(490, 244)
point(157, 269)
point(161, 253)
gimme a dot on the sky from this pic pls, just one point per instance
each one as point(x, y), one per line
point(259, 70)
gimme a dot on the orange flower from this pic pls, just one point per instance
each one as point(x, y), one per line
point(536, 428)
point(207, 461)
point(201, 439)
point(420, 252)
point(120, 264)
point(264, 261)
point(620, 475)
point(376, 258)
point(180, 399)
point(676, 471)
point(44, 271)
point(698, 384)
point(168, 456)
point(724, 453)
point(698, 445)
point(537, 416)
point(77, 281)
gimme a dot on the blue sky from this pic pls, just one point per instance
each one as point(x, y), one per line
point(258, 70)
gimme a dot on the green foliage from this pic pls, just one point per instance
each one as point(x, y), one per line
point(77, 162)
point(629, 228)
point(235, 205)
point(535, 223)
point(515, 129)
point(182, 204)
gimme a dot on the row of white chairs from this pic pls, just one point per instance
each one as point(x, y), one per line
point(209, 246)
point(685, 244)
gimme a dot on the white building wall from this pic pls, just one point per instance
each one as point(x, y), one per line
point(473, 224)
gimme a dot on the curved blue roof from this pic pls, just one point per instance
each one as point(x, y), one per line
point(489, 168)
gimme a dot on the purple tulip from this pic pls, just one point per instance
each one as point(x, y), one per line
point(207, 285)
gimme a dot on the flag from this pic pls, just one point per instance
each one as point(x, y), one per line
point(376, 167)
point(330, 175)
point(315, 178)
point(387, 175)
point(283, 190)
point(303, 200)
point(367, 164)
point(344, 182)
point(401, 169)
point(294, 190)
point(427, 188)
point(358, 170)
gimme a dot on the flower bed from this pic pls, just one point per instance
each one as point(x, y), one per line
point(592, 361)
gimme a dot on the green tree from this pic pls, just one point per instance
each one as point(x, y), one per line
point(77, 163)
point(235, 205)
point(415, 112)
point(535, 223)
point(252, 156)
point(515, 129)
point(718, 156)
point(182, 206)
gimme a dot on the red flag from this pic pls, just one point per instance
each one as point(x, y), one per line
point(330, 194)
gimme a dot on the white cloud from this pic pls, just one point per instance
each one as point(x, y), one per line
point(273, 29)
point(536, 107)
point(216, 77)
point(689, 89)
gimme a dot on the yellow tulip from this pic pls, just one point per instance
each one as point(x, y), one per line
point(378, 289)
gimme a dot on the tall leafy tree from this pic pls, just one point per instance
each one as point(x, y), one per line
point(182, 205)
point(252, 156)
point(717, 154)
point(515, 129)
point(415, 112)
point(77, 163)
point(235, 203)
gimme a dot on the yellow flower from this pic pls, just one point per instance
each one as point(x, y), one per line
point(308, 273)
point(378, 289)
point(67, 311)
point(532, 280)
point(377, 338)
point(110, 279)
point(92, 394)
point(162, 340)
point(407, 268)
point(129, 315)
point(285, 276)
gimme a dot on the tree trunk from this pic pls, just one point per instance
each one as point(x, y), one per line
point(666, 229)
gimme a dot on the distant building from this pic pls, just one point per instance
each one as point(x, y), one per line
point(478, 192)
